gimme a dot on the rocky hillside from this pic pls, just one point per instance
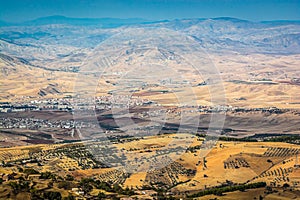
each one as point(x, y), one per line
point(62, 43)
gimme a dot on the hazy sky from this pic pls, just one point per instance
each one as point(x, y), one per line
point(256, 10)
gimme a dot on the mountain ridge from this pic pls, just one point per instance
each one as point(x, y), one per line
point(115, 22)
point(65, 45)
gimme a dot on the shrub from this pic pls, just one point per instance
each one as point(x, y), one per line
point(101, 196)
point(65, 185)
point(52, 195)
point(30, 171)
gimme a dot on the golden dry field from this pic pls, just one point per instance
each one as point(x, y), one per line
point(195, 170)
point(255, 80)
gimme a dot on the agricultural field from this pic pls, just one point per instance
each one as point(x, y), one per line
point(232, 164)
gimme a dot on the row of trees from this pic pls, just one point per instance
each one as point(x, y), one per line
point(221, 190)
point(294, 139)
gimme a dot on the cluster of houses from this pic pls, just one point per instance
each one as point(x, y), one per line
point(109, 102)
point(68, 104)
point(33, 123)
point(35, 105)
point(117, 101)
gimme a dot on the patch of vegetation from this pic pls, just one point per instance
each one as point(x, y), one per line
point(47, 175)
point(101, 196)
point(221, 190)
point(293, 139)
point(30, 171)
point(246, 139)
point(21, 186)
point(51, 195)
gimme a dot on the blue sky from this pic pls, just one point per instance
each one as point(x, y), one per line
point(255, 10)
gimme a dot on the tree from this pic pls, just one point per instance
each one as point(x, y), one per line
point(21, 186)
point(30, 171)
point(101, 196)
point(14, 186)
point(117, 188)
point(85, 184)
point(69, 178)
point(52, 195)
point(35, 194)
point(47, 175)
point(50, 184)
point(103, 186)
point(64, 184)
point(286, 185)
point(128, 191)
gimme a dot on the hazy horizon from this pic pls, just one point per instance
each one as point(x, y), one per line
point(143, 19)
point(252, 10)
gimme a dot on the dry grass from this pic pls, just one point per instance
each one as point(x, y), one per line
point(252, 193)
point(212, 175)
point(27, 81)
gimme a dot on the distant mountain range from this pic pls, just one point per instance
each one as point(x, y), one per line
point(60, 42)
point(115, 22)
point(58, 19)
